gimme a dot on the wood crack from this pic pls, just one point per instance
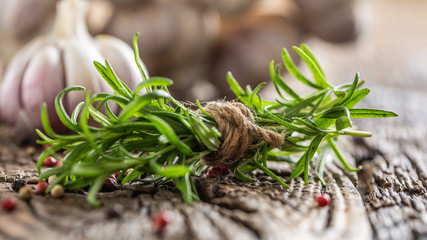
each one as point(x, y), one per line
point(392, 184)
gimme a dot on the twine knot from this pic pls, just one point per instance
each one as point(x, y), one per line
point(238, 128)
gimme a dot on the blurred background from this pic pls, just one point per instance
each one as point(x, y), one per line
point(196, 42)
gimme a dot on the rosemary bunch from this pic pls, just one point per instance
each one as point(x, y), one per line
point(162, 140)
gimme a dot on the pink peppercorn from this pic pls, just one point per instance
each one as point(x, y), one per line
point(160, 220)
point(46, 146)
point(214, 172)
point(109, 181)
point(41, 187)
point(113, 176)
point(323, 200)
point(49, 162)
point(109, 184)
point(9, 204)
point(224, 169)
point(58, 163)
point(116, 174)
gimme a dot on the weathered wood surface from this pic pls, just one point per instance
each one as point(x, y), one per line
point(386, 200)
point(229, 209)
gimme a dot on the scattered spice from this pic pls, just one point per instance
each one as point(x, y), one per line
point(25, 193)
point(224, 169)
point(323, 200)
point(57, 191)
point(51, 179)
point(41, 187)
point(109, 184)
point(214, 172)
point(49, 162)
point(160, 220)
point(116, 174)
point(129, 171)
point(9, 204)
point(113, 176)
point(46, 146)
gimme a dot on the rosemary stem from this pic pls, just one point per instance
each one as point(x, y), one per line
point(356, 133)
point(271, 174)
point(340, 157)
point(196, 157)
point(264, 120)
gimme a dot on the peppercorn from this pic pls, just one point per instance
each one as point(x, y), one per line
point(214, 172)
point(51, 179)
point(25, 193)
point(57, 191)
point(46, 146)
point(323, 200)
point(9, 204)
point(160, 220)
point(41, 187)
point(113, 176)
point(109, 184)
point(49, 162)
point(129, 171)
point(224, 169)
point(116, 174)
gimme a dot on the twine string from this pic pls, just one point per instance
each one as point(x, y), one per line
point(238, 128)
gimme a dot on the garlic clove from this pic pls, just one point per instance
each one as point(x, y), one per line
point(120, 57)
point(10, 90)
point(77, 57)
point(42, 81)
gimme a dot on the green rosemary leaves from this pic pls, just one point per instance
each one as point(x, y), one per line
point(162, 140)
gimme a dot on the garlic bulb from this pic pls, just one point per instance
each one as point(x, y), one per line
point(48, 64)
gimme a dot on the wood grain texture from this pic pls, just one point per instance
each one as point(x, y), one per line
point(229, 209)
point(385, 200)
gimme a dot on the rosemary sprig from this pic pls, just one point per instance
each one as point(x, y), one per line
point(162, 140)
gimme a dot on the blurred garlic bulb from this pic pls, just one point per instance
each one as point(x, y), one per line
point(57, 60)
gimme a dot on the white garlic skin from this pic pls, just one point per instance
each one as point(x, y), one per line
point(63, 58)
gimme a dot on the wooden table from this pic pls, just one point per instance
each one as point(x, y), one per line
point(386, 200)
